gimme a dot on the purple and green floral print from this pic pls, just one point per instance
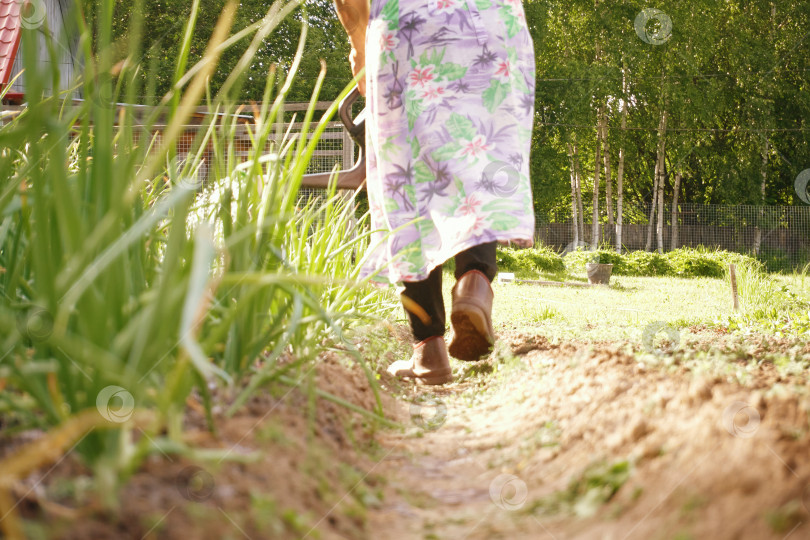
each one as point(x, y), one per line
point(450, 105)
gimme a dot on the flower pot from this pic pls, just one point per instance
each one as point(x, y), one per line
point(598, 273)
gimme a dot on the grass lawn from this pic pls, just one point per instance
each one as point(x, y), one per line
point(616, 313)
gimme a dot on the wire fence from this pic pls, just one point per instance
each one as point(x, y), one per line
point(778, 235)
point(334, 148)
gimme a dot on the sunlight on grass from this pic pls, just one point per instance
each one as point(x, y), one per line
point(618, 312)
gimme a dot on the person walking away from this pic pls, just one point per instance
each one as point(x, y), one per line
point(449, 87)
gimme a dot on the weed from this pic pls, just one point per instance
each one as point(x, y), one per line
point(299, 523)
point(273, 432)
point(265, 514)
point(585, 494)
point(786, 517)
point(692, 504)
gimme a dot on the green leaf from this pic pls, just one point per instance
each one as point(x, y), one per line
point(511, 21)
point(385, 57)
point(503, 222)
point(451, 71)
point(459, 186)
point(414, 107)
point(519, 82)
point(390, 13)
point(204, 255)
point(460, 127)
point(391, 205)
point(499, 205)
point(388, 147)
point(448, 151)
point(483, 4)
point(414, 257)
point(423, 173)
point(425, 226)
point(414, 148)
point(524, 134)
point(410, 191)
point(437, 56)
point(495, 94)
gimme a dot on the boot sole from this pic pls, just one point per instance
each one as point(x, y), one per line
point(434, 380)
point(428, 379)
point(472, 338)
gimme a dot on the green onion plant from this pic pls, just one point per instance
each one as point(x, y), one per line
point(125, 267)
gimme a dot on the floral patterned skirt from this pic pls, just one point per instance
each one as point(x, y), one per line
point(450, 106)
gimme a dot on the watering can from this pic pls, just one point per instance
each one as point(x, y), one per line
point(354, 177)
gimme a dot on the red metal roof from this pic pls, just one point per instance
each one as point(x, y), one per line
point(9, 36)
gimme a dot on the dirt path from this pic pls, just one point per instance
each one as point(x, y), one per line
point(579, 441)
point(539, 441)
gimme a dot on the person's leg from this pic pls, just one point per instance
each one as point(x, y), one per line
point(471, 317)
point(423, 303)
point(427, 294)
point(480, 257)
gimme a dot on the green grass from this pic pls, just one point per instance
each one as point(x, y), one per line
point(618, 312)
point(667, 320)
point(622, 310)
point(585, 494)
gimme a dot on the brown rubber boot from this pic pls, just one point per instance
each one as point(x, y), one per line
point(471, 318)
point(428, 365)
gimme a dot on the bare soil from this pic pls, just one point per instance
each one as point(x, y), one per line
point(282, 467)
point(541, 440)
point(585, 441)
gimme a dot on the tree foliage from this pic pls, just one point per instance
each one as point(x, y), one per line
point(733, 77)
point(164, 24)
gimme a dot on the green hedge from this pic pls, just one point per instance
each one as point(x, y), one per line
point(683, 262)
point(528, 263)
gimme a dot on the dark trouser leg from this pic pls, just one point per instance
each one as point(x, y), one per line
point(428, 294)
point(480, 257)
point(471, 317)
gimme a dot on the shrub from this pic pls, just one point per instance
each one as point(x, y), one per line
point(688, 262)
point(644, 263)
point(705, 262)
point(683, 262)
point(542, 258)
point(528, 263)
point(575, 261)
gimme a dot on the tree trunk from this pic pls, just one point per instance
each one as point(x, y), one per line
point(651, 220)
point(597, 171)
point(620, 171)
point(599, 115)
point(675, 189)
point(662, 168)
point(574, 214)
point(764, 172)
point(578, 191)
point(578, 171)
point(608, 178)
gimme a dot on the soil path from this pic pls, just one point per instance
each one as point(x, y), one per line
point(578, 441)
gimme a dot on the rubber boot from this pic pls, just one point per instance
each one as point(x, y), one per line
point(471, 317)
point(428, 365)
